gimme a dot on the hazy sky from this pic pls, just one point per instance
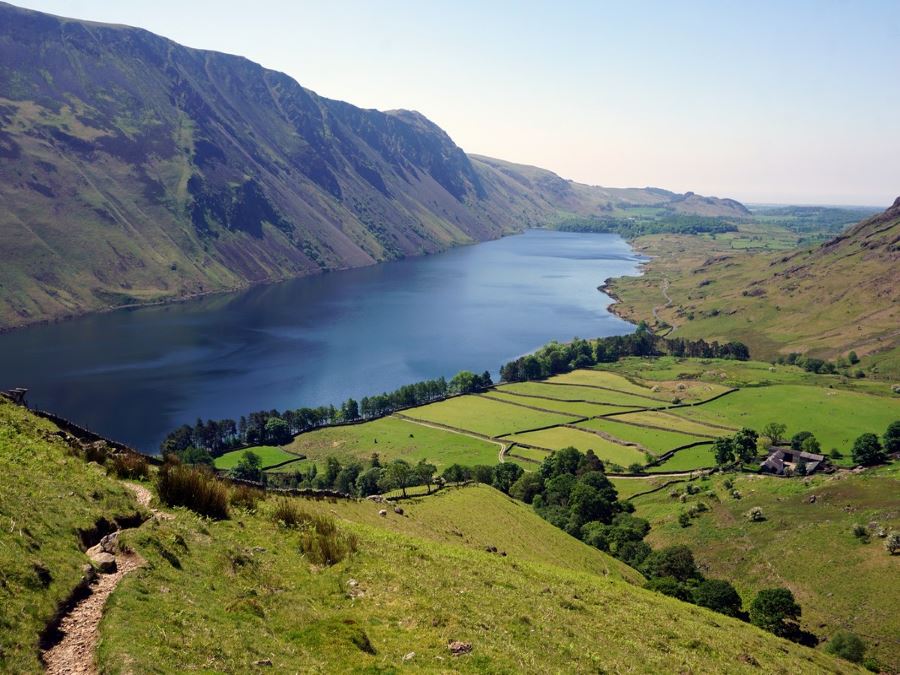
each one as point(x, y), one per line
point(761, 101)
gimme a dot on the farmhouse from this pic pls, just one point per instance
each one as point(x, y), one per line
point(785, 462)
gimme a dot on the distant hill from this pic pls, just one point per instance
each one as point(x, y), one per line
point(824, 301)
point(136, 170)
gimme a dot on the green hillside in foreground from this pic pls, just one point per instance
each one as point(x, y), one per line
point(47, 496)
point(841, 581)
point(237, 594)
point(827, 300)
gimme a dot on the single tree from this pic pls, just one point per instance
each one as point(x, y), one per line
point(397, 474)
point(892, 438)
point(719, 596)
point(774, 431)
point(723, 449)
point(853, 358)
point(867, 450)
point(248, 467)
point(425, 473)
point(798, 438)
point(672, 561)
point(811, 444)
point(744, 443)
point(775, 610)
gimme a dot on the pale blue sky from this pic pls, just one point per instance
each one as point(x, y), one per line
point(761, 101)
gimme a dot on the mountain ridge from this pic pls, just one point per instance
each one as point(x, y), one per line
point(138, 171)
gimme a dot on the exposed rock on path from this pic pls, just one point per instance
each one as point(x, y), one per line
point(74, 653)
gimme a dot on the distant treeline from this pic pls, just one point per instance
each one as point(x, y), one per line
point(636, 227)
point(277, 428)
point(555, 357)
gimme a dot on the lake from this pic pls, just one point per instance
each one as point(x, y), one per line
point(135, 374)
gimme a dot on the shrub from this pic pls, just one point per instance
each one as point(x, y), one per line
point(867, 450)
point(755, 515)
point(728, 483)
point(671, 587)
point(736, 494)
point(847, 645)
point(836, 454)
point(130, 465)
point(321, 542)
point(684, 519)
point(860, 532)
point(891, 437)
point(246, 497)
point(248, 467)
point(775, 610)
point(193, 487)
point(892, 543)
point(719, 596)
point(96, 452)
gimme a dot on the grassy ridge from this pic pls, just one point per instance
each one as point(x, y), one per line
point(840, 582)
point(245, 595)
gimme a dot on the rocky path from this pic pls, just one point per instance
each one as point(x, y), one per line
point(74, 654)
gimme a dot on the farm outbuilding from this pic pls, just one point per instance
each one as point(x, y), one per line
point(786, 461)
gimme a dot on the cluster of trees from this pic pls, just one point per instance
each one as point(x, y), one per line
point(811, 364)
point(555, 357)
point(571, 491)
point(637, 227)
point(371, 477)
point(271, 427)
point(740, 448)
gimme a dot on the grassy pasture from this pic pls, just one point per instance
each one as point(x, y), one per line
point(654, 440)
point(627, 487)
point(700, 457)
point(528, 453)
point(835, 416)
point(840, 581)
point(604, 378)
point(394, 438)
point(566, 407)
point(671, 420)
point(563, 437)
point(485, 416)
point(579, 393)
point(268, 454)
point(244, 593)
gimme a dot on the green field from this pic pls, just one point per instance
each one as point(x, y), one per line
point(604, 378)
point(840, 582)
point(484, 416)
point(270, 456)
point(563, 437)
point(671, 420)
point(627, 487)
point(565, 407)
point(700, 457)
point(835, 416)
point(656, 441)
point(394, 438)
point(576, 393)
point(528, 453)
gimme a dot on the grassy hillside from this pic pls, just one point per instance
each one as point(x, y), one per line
point(840, 581)
point(826, 300)
point(47, 498)
point(238, 594)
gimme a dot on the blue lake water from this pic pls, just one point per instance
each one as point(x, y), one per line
point(133, 375)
